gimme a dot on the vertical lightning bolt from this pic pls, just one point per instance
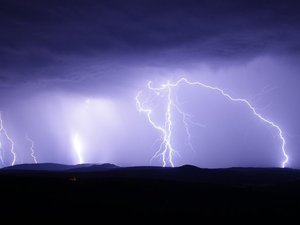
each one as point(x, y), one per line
point(166, 150)
point(3, 130)
point(1, 156)
point(77, 147)
point(32, 153)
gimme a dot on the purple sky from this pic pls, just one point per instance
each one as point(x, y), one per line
point(75, 67)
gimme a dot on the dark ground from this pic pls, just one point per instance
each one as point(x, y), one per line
point(97, 192)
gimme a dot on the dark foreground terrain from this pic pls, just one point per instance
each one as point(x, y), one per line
point(96, 192)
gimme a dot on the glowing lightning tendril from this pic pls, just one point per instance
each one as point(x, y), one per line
point(166, 150)
point(32, 154)
point(3, 130)
point(77, 147)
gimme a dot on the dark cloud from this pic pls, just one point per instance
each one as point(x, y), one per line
point(80, 40)
point(35, 33)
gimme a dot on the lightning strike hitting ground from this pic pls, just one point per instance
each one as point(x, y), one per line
point(166, 150)
point(1, 157)
point(77, 147)
point(4, 132)
point(32, 154)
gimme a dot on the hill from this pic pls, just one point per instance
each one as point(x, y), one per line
point(185, 191)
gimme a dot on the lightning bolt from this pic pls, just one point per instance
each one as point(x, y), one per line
point(4, 132)
point(166, 150)
point(186, 119)
point(77, 147)
point(1, 156)
point(32, 154)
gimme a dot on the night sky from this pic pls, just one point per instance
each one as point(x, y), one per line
point(73, 68)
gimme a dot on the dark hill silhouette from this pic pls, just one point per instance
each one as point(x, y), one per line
point(58, 167)
point(43, 167)
point(186, 191)
point(186, 173)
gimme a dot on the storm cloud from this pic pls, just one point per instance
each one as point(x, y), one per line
point(54, 55)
